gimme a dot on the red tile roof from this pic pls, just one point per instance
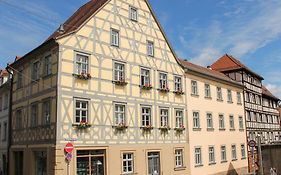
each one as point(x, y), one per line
point(78, 18)
point(267, 93)
point(3, 73)
point(228, 62)
point(207, 72)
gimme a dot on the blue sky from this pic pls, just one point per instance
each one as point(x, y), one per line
point(199, 30)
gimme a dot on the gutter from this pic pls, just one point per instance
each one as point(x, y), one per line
point(11, 80)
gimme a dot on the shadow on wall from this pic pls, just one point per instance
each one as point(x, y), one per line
point(231, 170)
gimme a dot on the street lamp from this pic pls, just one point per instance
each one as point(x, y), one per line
point(260, 154)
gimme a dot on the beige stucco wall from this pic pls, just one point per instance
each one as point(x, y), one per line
point(216, 138)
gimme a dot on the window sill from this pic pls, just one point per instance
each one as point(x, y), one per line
point(242, 130)
point(119, 83)
point(128, 173)
point(220, 100)
point(234, 159)
point(232, 129)
point(243, 158)
point(230, 102)
point(239, 103)
point(197, 129)
point(116, 46)
point(180, 168)
point(210, 129)
point(208, 98)
point(224, 161)
point(212, 163)
point(222, 129)
point(194, 95)
point(199, 165)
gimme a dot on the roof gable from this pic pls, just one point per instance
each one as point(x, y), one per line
point(229, 63)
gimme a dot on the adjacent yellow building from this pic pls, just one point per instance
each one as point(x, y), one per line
point(216, 130)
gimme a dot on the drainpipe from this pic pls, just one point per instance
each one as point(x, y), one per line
point(10, 118)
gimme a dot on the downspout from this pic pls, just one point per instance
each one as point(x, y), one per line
point(10, 118)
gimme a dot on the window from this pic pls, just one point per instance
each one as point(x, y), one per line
point(163, 81)
point(128, 163)
point(231, 122)
point(146, 116)
point(35, 70)
point(150, 48)
point(48, 65)
point(198, 156)
point(18, 157)
point(179, 158)
point(194, 89)
point(239, 98)
point(18, 119)
point(221, 122)
point(207, 91)
point(82, 64)
point(145, 77)
point(20, 79)
point(219, 93)
point(229, 96)
point(153, 163)
point(133, 14)
point(243, 151)
point(233, 152)
point(90, 162)
point(178, 84)
point(81, 111)
point(241, 122)
point(179, 119)
point(119, 114)
point(46, 112)
point(223, 154)
point(6, 100)
point(209, 120)
point(114, 37)
point(119, 71)
point(164, 117)
point(196, 120)
point(40, 162)
point(211, 155)
point(34, 115)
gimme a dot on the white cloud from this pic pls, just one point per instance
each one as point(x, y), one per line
point(241, 32)
point(274, 89)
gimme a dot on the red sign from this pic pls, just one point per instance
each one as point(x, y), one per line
point(68, 148)
point(252, 143)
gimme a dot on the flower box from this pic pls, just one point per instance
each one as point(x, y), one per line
point(120, 126)
point(164, 90)
point(146, 87)
point(164, 128)
point(179, 92)
point(121, 82)
point(82, 125)
point(180, 128)
point(83, 76)
point(147, 128)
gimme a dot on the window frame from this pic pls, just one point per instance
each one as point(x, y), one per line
point(223, 154)
point(194, 87)
point(212, 155)
point(231, 122)
point(87, 109)
point(207, 88)
point(243, 151)
point(239, 98)
point(119, 74)
point(233, 152)
point(179, 119)
point(34, 114)
point(219, 94)
point(178, 84)
point(221, 127)
point(199, 158)
point(45, 110)
point(47, 65)
point(164, 118)
point(127, 160)
point(229, 96)
point(116, 117)
point(179, 158)
point(78, 69)
point(18, 119)
point(114, 37)
point(149, 115)
point(196, 118)
point(241, 123)
point(35, 71)
point(131, 16)
point(163, 81)
point(150, 48)
point(145, 79)
point(209, 114)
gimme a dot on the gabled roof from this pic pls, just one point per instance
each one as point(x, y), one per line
point(267, 93)
point(229, 63)
point(208, 72)
point(78, 18)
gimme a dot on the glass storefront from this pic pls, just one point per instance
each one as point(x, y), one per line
point(91, 162)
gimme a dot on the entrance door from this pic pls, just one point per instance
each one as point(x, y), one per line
point(153, 163)
point(91, 162)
